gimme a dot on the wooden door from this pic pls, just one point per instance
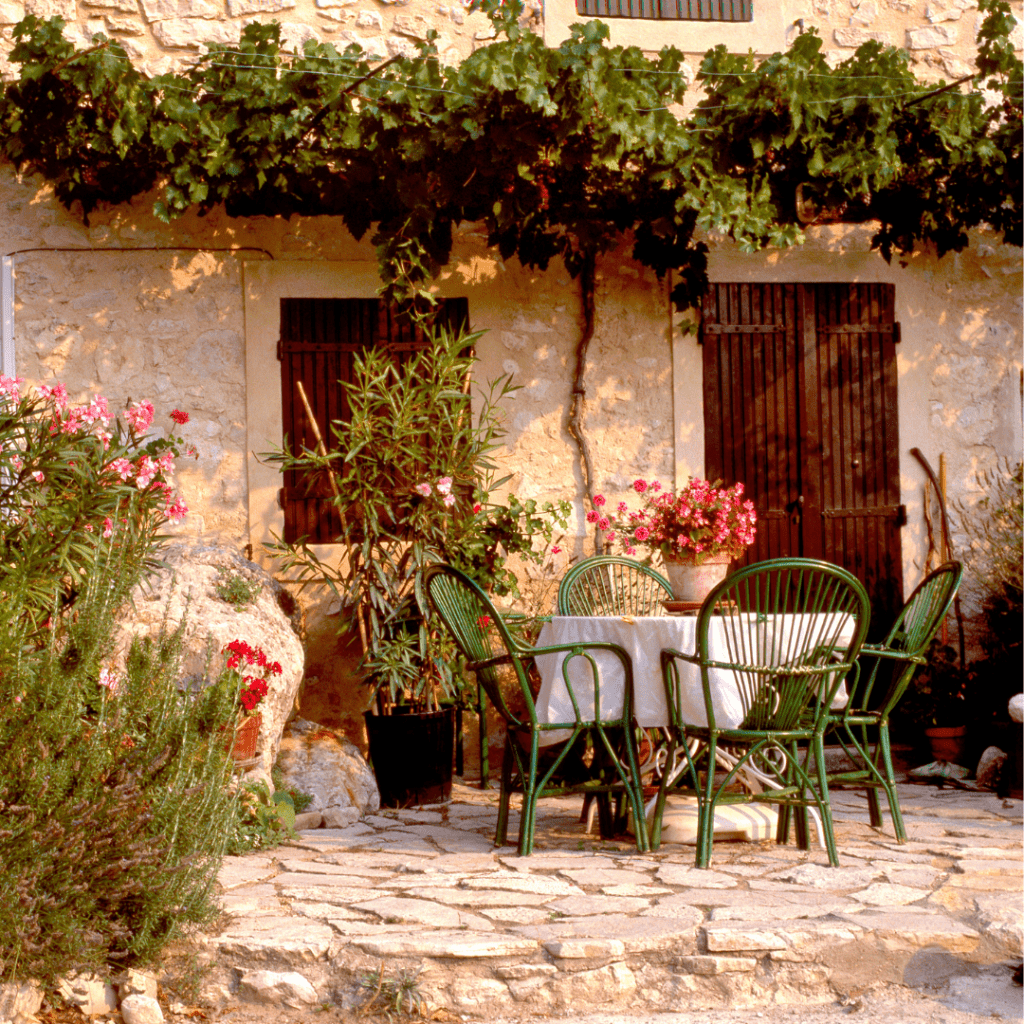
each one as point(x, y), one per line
point(800, 405)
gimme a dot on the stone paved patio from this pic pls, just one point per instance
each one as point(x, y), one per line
point(588, 924)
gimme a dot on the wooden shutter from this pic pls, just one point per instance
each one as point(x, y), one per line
point(319, 340)
point(674, 10)
point(800, 405)
point(854, 482)
point(752, 420)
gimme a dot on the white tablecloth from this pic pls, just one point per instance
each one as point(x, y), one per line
point(643, 639)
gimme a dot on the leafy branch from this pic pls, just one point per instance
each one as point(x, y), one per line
point(558, 153)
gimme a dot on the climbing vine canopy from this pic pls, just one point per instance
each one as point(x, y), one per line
point(557, 152)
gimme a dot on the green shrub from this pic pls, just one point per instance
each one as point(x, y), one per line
point(234, 589)
point(114, 807)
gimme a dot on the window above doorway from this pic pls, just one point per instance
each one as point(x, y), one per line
point(693, 26)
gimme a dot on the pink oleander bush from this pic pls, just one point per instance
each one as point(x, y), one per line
point(699, 522)
point(114, 806)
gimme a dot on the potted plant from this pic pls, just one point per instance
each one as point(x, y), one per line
point(411, 474)
point(936, 703)
point(697, 531)
point(248, 672)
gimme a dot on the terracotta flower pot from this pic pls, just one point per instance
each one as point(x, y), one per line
point(692, 582)
point(947, 742)
point(247, 733)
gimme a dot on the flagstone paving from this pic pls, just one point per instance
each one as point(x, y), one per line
point(586, 924)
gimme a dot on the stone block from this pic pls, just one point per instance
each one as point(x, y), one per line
point(140, 1009)
point(167, 10)
point(582, 949)
point(929, 36)
point(91, 994)
point(275, 988)
point(446, 945)
point(19, 1000)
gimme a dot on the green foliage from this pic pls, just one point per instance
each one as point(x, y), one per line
point(233, 588)
point(114, 798)
point(413, 470)
point(996, 529)
point(261, 820)
point(392, 996)
point(113, 809)
point(557, 152)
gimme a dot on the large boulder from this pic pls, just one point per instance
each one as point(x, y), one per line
point(187, 587)
point(328, 767)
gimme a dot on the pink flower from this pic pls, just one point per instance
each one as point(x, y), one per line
point(58, 394)
point(610, 536)
point(599, 500)
point(108, 527)
point(192, 450)
point(140, 416)
point(639, 486)
point(603, 523)
point(145, 471)
point(444, 485)
point(109, 680)
point(592, 516)
point(449, 500)
point(122, 467)
point(555, 549)
point(87, 527)
point(642, 533)
point(38, 476)
point(179, 417)
point(9, 386)
point(477, 507)
point(423, 489)
point(178, 510)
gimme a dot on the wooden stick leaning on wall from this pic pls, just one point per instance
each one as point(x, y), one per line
point(321, 449)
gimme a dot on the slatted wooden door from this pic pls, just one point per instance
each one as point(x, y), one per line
point(318, 343)
point(800, 405)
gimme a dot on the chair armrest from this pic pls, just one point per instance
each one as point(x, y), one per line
point(881, 651)
point(673, 653)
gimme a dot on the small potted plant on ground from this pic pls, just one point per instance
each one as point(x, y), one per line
point(937, 704)
point(697, 531)
point(248, 673)
point(411, 475)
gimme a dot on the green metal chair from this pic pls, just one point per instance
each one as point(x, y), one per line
point(786, 633)
point(612, 585)
point(485, 641)
point(904, 648)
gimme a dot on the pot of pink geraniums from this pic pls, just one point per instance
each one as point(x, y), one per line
point(697, 531)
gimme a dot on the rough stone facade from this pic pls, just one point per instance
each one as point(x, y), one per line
point(186, 314)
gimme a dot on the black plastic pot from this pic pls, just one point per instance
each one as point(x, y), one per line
point(412, 756)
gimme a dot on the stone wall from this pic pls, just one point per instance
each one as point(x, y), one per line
point(161, 35)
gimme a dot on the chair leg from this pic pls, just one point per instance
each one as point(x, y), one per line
point(706, 810)
point(824, 805)
point(505, 794)
point(654, 836)
point(890, 778)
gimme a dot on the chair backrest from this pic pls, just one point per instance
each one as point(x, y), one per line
point(911, 635)
point(612, 585)
point(789, 630)
point(481, 635)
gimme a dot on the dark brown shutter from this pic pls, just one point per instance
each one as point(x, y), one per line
point(674, 10)
point(852, 375)
point(800, 405)
point(319, 339)
point(751, 405)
